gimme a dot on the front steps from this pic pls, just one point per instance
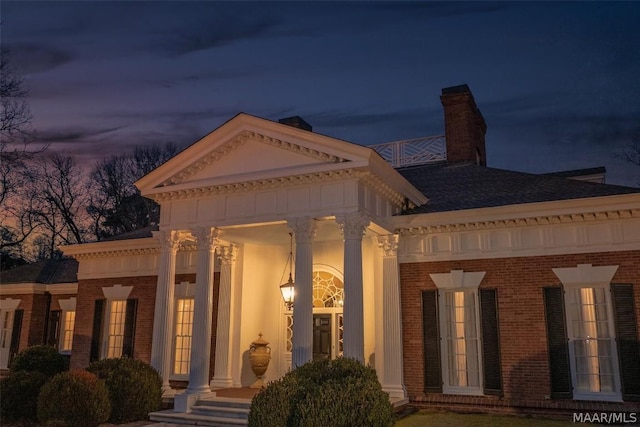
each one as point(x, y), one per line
point(213, 411)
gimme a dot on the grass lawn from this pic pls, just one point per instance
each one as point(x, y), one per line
point(442, 419)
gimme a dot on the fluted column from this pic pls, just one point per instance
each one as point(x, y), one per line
point(392, 381)
point(353, 226)
point(207, 239)
point(161, 343)
point(304, 230)
point(222, 376)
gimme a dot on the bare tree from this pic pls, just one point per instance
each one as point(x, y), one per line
point(631, 153)
point(116, 204)
point(60, 201)
point(16, 222)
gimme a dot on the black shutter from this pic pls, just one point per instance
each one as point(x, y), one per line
point(96, 335)
point(129, 328)
point(557, 341)
point(53, 331)
point(14, 346)
point(490, 342)
point(431, 342)
point(627, 337)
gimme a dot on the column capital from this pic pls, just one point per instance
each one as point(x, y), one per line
point(227, 254)
point(169, 239)
point(206, 237)
point(303, 228)
point(353, 225)
point(389, 244)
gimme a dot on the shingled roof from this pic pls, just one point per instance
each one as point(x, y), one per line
point(469, 186)
point(63, 270)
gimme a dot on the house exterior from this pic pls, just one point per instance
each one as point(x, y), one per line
point(37, 306)
point(463, 285)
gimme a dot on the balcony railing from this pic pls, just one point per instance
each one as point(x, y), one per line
point(416, 151)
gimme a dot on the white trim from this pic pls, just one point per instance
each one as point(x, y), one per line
point(117, 292)
point(458, 279)
point(9, 304)
point(586, 274)
point(68, 304)
point(23, 289)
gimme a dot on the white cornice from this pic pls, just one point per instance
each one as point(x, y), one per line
point(62, 288)
point(531, 214)
point(130, 247)
point(251, 185)
point(23, 289)
point(39, 288)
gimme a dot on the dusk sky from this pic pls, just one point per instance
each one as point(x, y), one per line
point(558, 83)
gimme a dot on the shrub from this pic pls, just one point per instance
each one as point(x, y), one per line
point(19, 394)
point(39, 358)
point(74, 399)
point(340, 392)
point(135, 388)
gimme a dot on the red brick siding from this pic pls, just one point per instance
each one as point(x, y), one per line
point(34, 319)
point(144, 290)
point(519, 283)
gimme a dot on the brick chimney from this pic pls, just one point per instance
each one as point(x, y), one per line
point(296, 122)
point(464, 127)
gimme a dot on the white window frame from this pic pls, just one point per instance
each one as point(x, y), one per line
point(588, 276)
point(183, 290)
point(117, 293)
point(68, 307)
point(467, 282)
point(8, 309)
point(616, 394)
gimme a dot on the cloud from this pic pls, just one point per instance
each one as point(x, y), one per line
point(205, 34)
point(71, 135)
point(36, 58)
point(445, 9)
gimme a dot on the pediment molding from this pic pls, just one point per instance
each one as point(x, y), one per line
point(242, 138)
point(368, 178)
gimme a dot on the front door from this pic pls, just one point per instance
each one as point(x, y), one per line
point(321, 336)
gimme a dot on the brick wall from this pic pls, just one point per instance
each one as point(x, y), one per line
point(144, 290)
point(465, 127)
point(524, 356)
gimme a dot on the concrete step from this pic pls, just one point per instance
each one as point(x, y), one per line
point(191, 419)
point(213, 411)
point(222, 407)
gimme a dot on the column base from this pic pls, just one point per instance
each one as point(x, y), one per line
point(395, 391)
point(221, 383)
point(183, 402)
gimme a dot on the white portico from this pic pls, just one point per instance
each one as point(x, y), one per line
point(229, 203)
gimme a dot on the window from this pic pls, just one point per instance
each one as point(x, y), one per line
point(591, 341)
point(114, 320)
point(459, 330)
point(66, 321)
point(182, 330)
point(67, 331)
point(461, 341)
point(592, 335)
point(115, 337)
point(184, 326)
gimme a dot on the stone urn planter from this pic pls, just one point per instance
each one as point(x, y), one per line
point(259, 356)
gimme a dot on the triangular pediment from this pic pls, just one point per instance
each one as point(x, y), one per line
point(248, 148)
